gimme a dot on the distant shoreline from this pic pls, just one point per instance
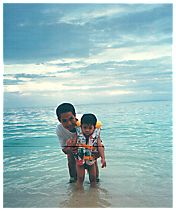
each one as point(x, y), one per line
point(120, 102)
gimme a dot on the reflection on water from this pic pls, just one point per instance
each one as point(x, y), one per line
point(88, 197)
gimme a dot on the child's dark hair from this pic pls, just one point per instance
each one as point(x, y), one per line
point(64, 108)
point(89, 119)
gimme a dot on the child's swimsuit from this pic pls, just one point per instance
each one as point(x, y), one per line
point(86, 148)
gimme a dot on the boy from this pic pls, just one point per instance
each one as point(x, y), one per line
point(67, 117)
point(87, 142)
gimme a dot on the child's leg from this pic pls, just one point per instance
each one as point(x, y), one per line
point(97, 171)
point(92, 175)
point(80, 175)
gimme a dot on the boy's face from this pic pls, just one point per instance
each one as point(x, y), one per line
point(68, 120)
point(87, 129)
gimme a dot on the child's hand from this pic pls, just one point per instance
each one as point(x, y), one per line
point(95, 154)
point(103, 163)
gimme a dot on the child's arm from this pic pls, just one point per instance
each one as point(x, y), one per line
point(101, 151)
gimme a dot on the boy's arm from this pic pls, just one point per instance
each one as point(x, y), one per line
point(101, 151)
point(71, 144)
point(67, 148)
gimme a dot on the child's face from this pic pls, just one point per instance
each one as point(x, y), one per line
point(68, 121)
point(87, 129)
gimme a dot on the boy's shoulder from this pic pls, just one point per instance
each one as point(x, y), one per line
point(60, 128)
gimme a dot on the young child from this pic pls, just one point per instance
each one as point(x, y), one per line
point(87, 142)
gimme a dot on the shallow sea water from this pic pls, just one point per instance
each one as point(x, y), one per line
point(138, 148)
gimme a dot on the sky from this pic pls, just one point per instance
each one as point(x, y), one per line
point(86, 53)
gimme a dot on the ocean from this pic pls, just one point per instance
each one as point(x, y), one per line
point(138, 149)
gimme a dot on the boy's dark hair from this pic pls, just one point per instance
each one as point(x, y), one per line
point(89, 119)
point(64, 108)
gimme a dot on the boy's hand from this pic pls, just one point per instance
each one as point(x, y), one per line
point(71, 142)
point(103, 163)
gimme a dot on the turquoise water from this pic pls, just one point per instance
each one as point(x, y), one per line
point(138, 148)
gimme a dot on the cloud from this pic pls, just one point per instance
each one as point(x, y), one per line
point(84, 17)
point(118, 55)
point(137, 53)
point(60, 84)
point(89, 15)
point(87, 52)
point(101, 75)
point(33, 68)
point(110, 25)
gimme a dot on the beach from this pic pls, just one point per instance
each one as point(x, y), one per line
point(138, 148)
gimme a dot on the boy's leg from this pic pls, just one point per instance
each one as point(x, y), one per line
point(72, 167)
point(80, 175)
point(92, 175)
